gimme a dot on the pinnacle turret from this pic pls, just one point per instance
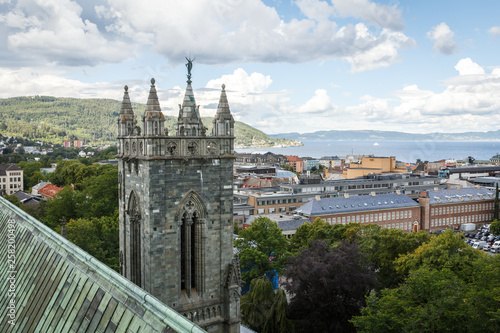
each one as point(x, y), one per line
point(126, 120)
point(223, 120)
point(153, 120)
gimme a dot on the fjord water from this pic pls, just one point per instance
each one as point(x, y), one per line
point(405, 151)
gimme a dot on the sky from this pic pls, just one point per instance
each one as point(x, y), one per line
point(415, 66)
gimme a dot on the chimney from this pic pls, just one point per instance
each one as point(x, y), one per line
point(346, 195)
point(436, 189)
point(423, 194)
point(318, 198)
point(398, 191)
point(372, 194)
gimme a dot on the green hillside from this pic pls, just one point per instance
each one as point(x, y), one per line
point(53, 119)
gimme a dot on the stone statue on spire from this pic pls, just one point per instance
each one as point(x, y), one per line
point(189, 66)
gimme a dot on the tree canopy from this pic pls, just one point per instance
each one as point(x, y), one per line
point(448, 286)
point(262, 249)
point(327, 286)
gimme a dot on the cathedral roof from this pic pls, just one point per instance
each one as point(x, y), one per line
point(61, 288)
point(153, 109)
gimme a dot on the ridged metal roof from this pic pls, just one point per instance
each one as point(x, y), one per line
point(356, 204)
point(61, 288)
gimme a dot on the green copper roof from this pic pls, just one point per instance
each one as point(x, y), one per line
point(60, 288)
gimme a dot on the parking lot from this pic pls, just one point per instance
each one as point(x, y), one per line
point(483, 240)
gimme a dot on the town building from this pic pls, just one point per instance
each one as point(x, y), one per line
point(469, 173)
point(373, 165)
point(449, 208)
point(78, 143)
point(31, 150)
point(67, 144)
point(296, 163)
point(176, 209)
point(408, 184)
point(270, 200)
point(488, 182)
point(436, 209)
point(385, 210)
point(310, 163)
point(495, 159)
point(11, 178)
point(28, 199)
point(49, 191)
point(256, 159)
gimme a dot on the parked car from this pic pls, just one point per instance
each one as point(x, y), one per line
point(479, 245)
point(487, 247)
point(495, 248)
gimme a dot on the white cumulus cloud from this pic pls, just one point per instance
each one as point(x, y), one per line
point(468, 67)
point(443, 39)
point(55, 31)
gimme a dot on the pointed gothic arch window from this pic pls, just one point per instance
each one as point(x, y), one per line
point(193, 131)
point(192, 213)
point(156, 128)
point(134, 216)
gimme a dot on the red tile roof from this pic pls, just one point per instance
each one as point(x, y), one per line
point(50, 191)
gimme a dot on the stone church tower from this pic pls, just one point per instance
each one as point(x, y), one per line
point(176, 208)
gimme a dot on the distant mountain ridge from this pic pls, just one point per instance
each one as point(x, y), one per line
point(368, 135)
point(55, 119)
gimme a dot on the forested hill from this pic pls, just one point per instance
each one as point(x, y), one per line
point(55, 119)
point(371, 135)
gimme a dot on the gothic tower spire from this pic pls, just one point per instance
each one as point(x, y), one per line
point(189, 121)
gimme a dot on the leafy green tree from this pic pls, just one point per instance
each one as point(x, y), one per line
point(264, 309)
point(35, 178)
point(495, 227)
point(318, 230)
point(327, 286)
point(449, 287)
point(13, 200)
point(383, 246)
point(429, 301)
point(446, 251)
point(301, 238)
point(102, 192)
point(262, 248)
point(98, 237)
point(31, 172)
point(69, 204)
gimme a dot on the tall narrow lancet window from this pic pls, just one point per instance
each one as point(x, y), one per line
point(191, 240)
point(134, 215)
